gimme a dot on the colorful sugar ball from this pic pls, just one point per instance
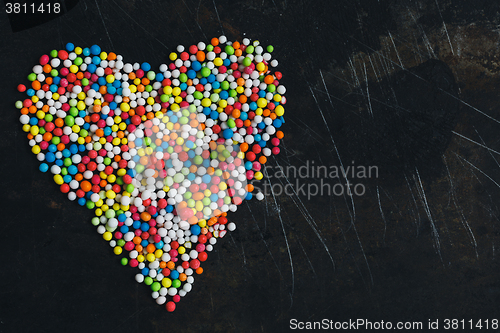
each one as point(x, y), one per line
point(160, 157)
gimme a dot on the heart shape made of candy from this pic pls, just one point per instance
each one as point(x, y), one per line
point(161, 157)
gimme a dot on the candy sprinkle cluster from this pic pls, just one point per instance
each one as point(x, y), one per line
point(160, 157)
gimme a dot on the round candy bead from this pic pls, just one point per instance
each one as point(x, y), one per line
point(170, 306)
point(127, 142)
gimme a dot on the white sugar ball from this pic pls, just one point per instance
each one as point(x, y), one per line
point(127, 68)
point(125, 201)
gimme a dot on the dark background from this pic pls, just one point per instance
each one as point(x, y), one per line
point(408, 86)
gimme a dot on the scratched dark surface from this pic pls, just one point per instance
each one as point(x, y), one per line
point(408, 86)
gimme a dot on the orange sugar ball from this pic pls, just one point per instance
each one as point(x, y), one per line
point(150, 248)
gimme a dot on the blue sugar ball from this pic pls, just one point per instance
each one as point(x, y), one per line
point(95, 49)
point(195, 65)
point(174, 274)
point(43, 167)
point(195, 229)
point(227, 133)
